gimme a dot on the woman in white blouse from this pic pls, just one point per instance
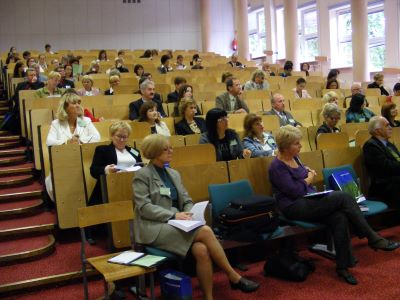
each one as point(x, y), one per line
point(70, 127)
point(299, 91)
point(148, 113)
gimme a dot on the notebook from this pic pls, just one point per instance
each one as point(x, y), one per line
point(343, 181)
point(197, 218)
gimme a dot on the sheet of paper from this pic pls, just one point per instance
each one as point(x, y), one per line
point(198, 210)
point(126, 257)
point(128, 169)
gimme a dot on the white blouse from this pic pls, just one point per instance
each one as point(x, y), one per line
point(162, 129)
point(60, 133)
point(124, 158)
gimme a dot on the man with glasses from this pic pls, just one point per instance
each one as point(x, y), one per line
point(257, 82)
point(382, 160)
point(355, 89)
point(232, 100)
point(278, 109)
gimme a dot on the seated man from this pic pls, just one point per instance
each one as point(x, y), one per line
point(147, 91)
point(278, 109)
point(32, 83)
point(179, 82)
point(382, 160)
point(232, 101)
point(355, 89)
point(234, 62)
point(179, 65)
point(165, 64)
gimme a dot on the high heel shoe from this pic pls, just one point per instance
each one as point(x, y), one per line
point(384, 244)
point(245, 285)
point(346, 275)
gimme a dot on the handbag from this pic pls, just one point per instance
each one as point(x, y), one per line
point(175, 285)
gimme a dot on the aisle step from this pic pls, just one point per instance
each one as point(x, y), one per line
point(12, 160)
point(9, 137)
point(15, 180)
point(16, 208)
point(33, 189)
point(18, 169)
point(6, 145)
point(12, 152)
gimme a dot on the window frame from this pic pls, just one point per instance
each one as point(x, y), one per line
point(305, 37)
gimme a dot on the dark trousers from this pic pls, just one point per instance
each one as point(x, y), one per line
point(337, 210)
point(387, 190)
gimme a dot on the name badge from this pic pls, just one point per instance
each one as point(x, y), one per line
point(291, 121)
point(233, 143)
point(134, 152)
point(361, 120)
point(165, 191)
point(267, 147)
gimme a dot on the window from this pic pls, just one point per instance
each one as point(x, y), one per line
point(257, 41)
point(308, 32)
point(280, 34)
point(341, 23)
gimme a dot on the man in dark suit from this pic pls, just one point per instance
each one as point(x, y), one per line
point(179, 82)
point(32, 83)
point(382, 160)
point(278, 109)
point(147, 91)
point(231, 101)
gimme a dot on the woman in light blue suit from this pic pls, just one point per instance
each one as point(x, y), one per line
point(160, 196)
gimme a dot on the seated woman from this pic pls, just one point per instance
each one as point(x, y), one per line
point(287, 69)
point(257, 82)
point(185, 92)
point(396, 92)
point(88, 89)
point(138, 69)
point(332, 84)
point(305, 67)
point(51, 89)
point(94, 68)
point(258, 141)
point(148, 113)
point(378, 84)
point(154, 207)
point(70, 128)
point(114, 82)
point(300, 91)
point(331, 97)
point(291, 181)
point(357, 113)
point(110, 158)
point(389, 111)
point(189, 123)
point(69, 73)
point(19, 70)
point(226, 141)
point(102, 55)
point(331, 114)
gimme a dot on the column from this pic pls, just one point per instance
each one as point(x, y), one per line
point(242, 28)
point(269, 14)
point(291, 32)
point(323, 36)
point(359, 27)
point(205, 15)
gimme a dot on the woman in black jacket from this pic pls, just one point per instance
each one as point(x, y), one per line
point(189, 123)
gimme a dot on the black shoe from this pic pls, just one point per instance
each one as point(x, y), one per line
point(91, 241)
point(353, 262)
point(245, 285)
point(384, 244)
point(346, 275)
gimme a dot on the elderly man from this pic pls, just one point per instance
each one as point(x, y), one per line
point(234, 62)
point(31, 83)
point(231, 101)
point(355, 89)
point(278, 109)
point(382, 159)
point(148, 92)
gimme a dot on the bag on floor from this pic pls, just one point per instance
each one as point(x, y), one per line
point(288, 266)
point(247, 219)
point(175, 285)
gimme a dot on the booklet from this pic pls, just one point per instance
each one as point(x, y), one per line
point(318, 194)
point(343, 181)
point(126, 257)
point(197, 218)
point(148, 261)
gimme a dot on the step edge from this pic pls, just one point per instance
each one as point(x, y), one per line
point(27, 229)
point(21, 210)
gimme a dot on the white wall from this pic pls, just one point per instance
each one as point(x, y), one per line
point(222, 27)
point(95, 24)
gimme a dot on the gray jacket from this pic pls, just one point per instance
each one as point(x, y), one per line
point(224, 102)
point(289, 118)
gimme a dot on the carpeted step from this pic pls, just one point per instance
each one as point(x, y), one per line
point(12, 160)
point(16, 208)
point(20, 249)
point(4, 103)
point(33, 189)
point(15, 180)
point(18, 169)
point(12, 152)
point(43, 221)
point(9, 138)
point(12, 144)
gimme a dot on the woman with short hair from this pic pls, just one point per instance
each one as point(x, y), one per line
point(114, 82)
point(160, 196)
point(331, 114)
point(257, 82)
point(378, 84)
point(190, 124)
point(331, 97)
point(292, 181)
point(88, 89)
point(148, 113)
point(256, 139)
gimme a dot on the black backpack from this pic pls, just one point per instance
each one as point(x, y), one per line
point(247, 219)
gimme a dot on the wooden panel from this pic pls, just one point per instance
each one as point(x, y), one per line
point(352, 128)
point(313, 160)
point(372, 92)
point(38, 117)
point(23, 97)
point(177, 140)
point(253, 169)
point(308, 104)
point(104, 129)
point(125, 99)
point(206, 106)
point(67, 177)
point(361, 137)
point(312, 133)
point(336, 140)
point(266, 103)
point(255, 106)
point(105, 213)
point(197, 178)
point(139, 130)
point(192, 139)
point(87, 158)
point(236, 121)
point(170, 124)
point(119, 188)
point(125, 89)
point(120, 112)
point(257, 95)
point(305, 143)
point(271, 123)
point(43, 131)
point(193, 155)
point(303, 116)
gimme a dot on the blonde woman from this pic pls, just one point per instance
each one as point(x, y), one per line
point(51, 89)
point(88, 89)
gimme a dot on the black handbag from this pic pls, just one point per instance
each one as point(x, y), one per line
point(246, 219)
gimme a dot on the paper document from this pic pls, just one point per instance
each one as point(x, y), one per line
point(148, 261)
point(197, 218)
point(126, 258)
point(128, 169)
point(318, 194)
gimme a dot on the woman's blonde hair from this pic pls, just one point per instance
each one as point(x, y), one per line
point(328, 96)
point(184, 104)
point(286, 136)
point(153, 146)
point(120, 125)
point(87, 77)
point(54, 74)
point(66, 99)
point(113, 78)
point(378, 76)
point(257, 73)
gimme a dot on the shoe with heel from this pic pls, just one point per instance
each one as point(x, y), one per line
point(245, 285)
point(384, 244)
point(347, 276)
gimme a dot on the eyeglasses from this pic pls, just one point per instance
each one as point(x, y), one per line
point(122, 137)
